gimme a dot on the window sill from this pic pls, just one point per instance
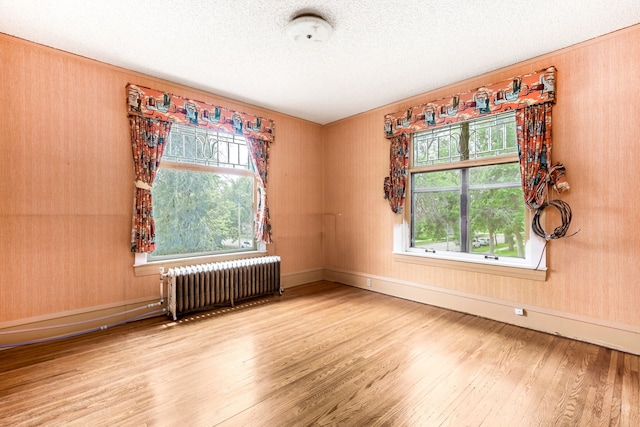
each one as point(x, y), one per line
point(476, 267)
point(153, 267)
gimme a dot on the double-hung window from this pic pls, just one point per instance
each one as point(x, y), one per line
point(203, 195)
point(465, 196)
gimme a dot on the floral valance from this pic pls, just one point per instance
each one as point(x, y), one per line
point(517, 92)
point(163, 106)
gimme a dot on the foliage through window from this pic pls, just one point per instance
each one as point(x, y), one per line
point(203, 195)
point(466, 194)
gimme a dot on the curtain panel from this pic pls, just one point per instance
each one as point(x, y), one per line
point(148, 139)
point(259, 153)
point(395, 185)
point(151, 113)
point(533, 130)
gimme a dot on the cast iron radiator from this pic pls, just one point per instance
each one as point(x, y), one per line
point(204, 286)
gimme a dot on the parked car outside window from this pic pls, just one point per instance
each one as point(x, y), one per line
point(484, 241)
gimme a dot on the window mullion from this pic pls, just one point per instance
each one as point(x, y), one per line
point(464, 141)
point(413, 210)
point(464, 210)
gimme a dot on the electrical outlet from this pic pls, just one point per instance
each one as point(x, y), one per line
point(519, 311)
point(369, 282)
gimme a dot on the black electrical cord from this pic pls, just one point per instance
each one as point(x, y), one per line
point(559, 231)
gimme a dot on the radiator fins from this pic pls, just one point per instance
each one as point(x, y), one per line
point(204, 286)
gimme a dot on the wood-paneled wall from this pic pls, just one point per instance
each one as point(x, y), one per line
point(66, 184)
point(595, 273)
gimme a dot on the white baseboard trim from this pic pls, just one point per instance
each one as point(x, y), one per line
point(608, 334)
point(298, 278)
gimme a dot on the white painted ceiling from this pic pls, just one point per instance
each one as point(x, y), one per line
point(379, 52)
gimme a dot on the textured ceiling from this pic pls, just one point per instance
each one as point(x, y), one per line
point(380, 51)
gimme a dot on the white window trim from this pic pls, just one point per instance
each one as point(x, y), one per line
point(143, 265)
point(533, 266)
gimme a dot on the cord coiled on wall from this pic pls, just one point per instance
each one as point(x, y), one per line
point(559, 231)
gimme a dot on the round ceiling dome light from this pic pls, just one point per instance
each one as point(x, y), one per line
point(309, 29)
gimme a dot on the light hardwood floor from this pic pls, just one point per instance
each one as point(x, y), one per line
point(322, 354)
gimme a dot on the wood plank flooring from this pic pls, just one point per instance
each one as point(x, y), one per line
point(322, 354)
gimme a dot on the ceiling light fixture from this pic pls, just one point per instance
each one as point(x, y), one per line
point(309, 29)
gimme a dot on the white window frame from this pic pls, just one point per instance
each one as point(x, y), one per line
point(532, 266)
point(145, 259)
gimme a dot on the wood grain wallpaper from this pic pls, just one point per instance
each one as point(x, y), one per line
point(595, 134)
point(66, 186)
point(66, 174)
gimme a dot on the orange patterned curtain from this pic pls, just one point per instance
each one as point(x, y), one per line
point(395, 185)
point(531, 95)
point(533, 128)
point(148, 139)
point(151, 113)
point(508, 95)
point(259, 153)
point(167, 107)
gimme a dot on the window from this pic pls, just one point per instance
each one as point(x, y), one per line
point(465, 197)
point(203, 195)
